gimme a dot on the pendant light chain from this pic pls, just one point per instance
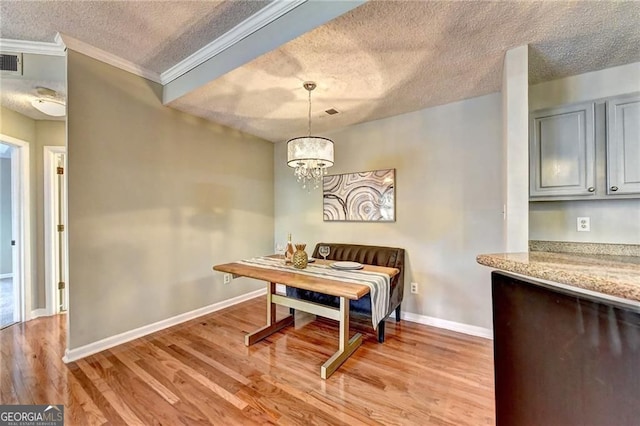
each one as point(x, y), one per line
point(309, 129)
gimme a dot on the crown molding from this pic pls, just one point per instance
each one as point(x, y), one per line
point(263, 17)
point(259, 20)
point(299, 20)
point(31, 47)
point(109, 58)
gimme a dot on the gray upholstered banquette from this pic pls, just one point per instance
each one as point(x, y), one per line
point(371, 255)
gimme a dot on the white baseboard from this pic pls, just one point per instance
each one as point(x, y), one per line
point(448, 325)
point(109, 342)
point(36, 313)
point(9, 275)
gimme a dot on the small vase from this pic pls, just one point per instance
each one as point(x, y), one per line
point(300, 257)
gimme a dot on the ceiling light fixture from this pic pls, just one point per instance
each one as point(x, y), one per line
point(310, 155)
point(48, 104)
point(49, 107)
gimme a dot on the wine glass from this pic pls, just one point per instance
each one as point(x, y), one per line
point(280, 247)
point(324, 251)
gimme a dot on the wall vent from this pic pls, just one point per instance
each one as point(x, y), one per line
point(11, 63)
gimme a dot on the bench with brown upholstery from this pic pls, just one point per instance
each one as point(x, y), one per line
point(392, 257)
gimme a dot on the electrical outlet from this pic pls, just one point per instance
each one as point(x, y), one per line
point(226, 278)
point(414, 288)
point(584, 224)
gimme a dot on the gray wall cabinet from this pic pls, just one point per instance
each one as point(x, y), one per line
point(562, 151)
point(586, 151)
point(623, 145)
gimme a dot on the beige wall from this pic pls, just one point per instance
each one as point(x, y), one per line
point(17, 125)
point(156, 197)
point(449, 198)
point(614, 220)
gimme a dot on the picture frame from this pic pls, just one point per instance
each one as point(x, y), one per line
point(360, 197)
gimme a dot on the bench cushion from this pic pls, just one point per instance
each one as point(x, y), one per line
point(392, 257)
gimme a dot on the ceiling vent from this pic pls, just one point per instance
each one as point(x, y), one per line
point(331, 111)
point(11, 63)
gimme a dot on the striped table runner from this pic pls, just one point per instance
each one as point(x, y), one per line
point(379, 284)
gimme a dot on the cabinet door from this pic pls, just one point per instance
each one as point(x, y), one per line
point(623, 145)
point(562, 357)
point(562, 152)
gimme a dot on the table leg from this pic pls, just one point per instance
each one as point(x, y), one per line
point(346, 346)
point(271, 307)
point(272, 325)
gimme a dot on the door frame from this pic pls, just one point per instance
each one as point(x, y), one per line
point(50, 229)
point(21, 222)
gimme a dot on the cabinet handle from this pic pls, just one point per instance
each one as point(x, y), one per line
point(591, 189)
point(614, 188)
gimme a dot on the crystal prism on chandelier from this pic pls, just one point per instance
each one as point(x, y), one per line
point(310, 156)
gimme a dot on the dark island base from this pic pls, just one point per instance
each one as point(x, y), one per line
point(563, 358)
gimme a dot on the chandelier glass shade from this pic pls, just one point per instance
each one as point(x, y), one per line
point(310, 156)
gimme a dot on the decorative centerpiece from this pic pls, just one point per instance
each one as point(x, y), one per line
point(300, 258)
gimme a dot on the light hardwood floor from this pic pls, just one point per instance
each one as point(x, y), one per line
point(200, 372)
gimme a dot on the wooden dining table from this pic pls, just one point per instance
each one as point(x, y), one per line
point(345, 291)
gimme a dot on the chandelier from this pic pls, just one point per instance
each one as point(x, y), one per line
point(310, 156)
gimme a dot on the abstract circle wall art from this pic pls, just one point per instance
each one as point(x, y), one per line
point(360, 197)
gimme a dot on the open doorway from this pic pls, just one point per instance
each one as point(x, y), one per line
point(9, 296)
point(15, 240)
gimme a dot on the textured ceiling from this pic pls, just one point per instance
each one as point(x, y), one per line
point(381, 59)
point(17, 92)
point(388, 58)
point(153, 34)
point(17, 96)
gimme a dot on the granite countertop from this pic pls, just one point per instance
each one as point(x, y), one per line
point(613, 275)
